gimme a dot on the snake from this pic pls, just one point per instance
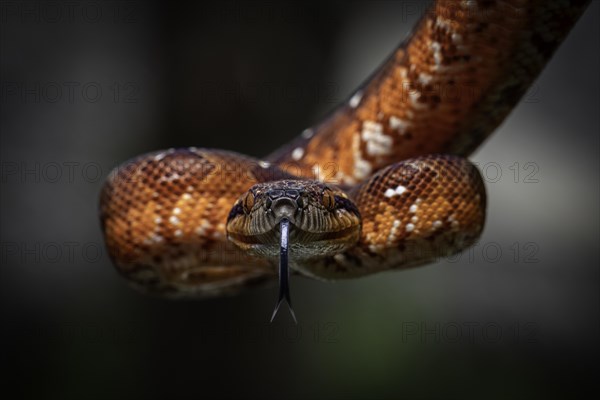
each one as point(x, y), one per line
point(382, 183)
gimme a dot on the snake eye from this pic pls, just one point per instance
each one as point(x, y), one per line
point(248, 202)
point(328, 199)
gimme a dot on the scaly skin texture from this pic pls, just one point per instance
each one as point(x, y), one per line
point(163, 216)
point(443, 91)
point(413, 213)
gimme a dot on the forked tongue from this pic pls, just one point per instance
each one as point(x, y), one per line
point(284, 271)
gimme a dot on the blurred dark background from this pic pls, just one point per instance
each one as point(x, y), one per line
point(87, 85)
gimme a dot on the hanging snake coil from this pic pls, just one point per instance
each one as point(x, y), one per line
point(380, 184)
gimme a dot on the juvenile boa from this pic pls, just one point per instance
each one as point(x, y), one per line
point(380, 184)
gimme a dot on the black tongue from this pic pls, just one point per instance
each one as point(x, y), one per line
point(284, 271)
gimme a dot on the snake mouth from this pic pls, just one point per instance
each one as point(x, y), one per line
point(297, 235)
point(303, 245)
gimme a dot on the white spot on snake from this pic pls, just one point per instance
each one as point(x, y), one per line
point(398, 124)
point(453, 222)
point(469, 4)
point(362, 168)
point(264, 164)
point(156, 238)
point(157, 220)
point(394, 231)
point(177, 211)
point(190, 189)
point(174, 220)
point(414, 219)
point(170, 178)
point(414, 96)
point(163, 154)
point(186, 196)
point(160, 156)
point(403, 73)
point(297, 153)
point(378, 143)
point(155, 194)
point(375, 248)
point(395, 192)
point(443, 24)
point(203, 228)
point(410, 227)
point(178, 232)
point(456, 38)
point(437, 53)
point(436, 224)
point(308, 133)
point(425, 78)
point(355, 100)
point(413, 209)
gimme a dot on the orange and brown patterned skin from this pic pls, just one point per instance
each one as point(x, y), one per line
point(163, 216)
point(413, 213)
point(444, 90)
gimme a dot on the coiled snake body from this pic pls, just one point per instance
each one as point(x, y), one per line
point(380, 184)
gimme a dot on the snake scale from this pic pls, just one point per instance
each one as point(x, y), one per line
point(380, 184)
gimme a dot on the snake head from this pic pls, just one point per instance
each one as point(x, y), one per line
point(323, 220)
